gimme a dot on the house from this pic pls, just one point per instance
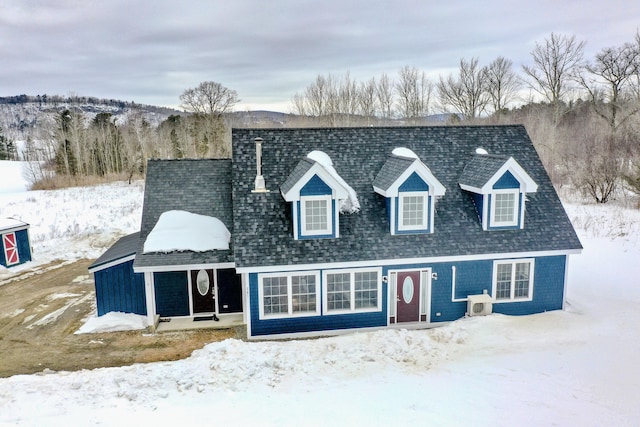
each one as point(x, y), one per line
point(319, 231)
point(16, 245)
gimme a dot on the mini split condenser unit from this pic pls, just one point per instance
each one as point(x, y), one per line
point(479, 305)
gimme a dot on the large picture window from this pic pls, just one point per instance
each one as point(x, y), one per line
point(412, 211)
point(289, 295)
point(504, 209)
point(316, 215)
point(513, 280)
point(347, 291)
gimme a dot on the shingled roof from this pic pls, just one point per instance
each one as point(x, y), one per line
point(481, 168)
point(125, 247)
point(391, 171)
point(198, 186)
point(262, 223)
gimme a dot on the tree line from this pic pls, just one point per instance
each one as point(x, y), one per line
point(580, 113)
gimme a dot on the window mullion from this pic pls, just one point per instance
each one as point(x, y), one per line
point(290, 295)
point(513, 280)
point(352, 290)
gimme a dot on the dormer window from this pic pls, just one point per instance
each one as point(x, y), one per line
point(412, 211)
point(411, 190)
point(504, 208)
point(316, 215)
point(318, 195)
point(499, 186)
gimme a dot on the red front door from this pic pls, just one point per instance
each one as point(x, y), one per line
point(408, 296)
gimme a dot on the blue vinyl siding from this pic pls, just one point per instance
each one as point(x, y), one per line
point(478, 200)
point(548, 289)
point(414, 183)
point(24, 248)
point(506, 181)
point(315, 187)
point(312, 323)
point(118, 288)
point(172, 293)
point(472, 278)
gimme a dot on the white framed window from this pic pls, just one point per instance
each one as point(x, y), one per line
point(505, 206)
point(352, 290)
point(513, 280)
point(316, 215)
point(412, 210)
point(285, 295)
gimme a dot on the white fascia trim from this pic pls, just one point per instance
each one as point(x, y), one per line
point(527, 184)
point(339, 192)
point(387, 262)
point(112, 263)
point(183, 267)
point(466, 187)
point(14, 229)
point(435, 187)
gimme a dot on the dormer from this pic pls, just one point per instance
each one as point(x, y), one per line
point(410, 190)
point(318, 195)
point(499, 186)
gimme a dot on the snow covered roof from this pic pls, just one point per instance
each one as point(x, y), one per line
point(351, 203)
point(12, 224)
point(185, 231)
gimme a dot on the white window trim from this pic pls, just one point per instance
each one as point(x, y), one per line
point(323, 232)
point(425, 213)
point(513, 262)
point(290, 312)
point(352, 290)
point(516, 208)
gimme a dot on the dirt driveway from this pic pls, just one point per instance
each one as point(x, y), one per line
point(41, 309)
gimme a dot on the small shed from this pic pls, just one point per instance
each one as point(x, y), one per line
point(16, 246)
point(118, 288)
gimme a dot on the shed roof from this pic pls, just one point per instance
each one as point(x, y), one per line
point(10, 224)
point(200, 186)
point(262, 222)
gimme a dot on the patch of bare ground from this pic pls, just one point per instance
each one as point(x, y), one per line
point(41, 310)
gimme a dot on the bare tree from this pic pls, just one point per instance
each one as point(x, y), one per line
point(211, 100)
point(555, 63)
point(609, 79)
point(501, 84)
point(384, 94)
point(467, 93)
point(367, 99)
point(414, 94)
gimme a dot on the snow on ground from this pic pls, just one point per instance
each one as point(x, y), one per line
point(72, 223)
point(562, 368)
point(113, 322)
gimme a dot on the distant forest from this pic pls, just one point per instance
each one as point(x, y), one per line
point(581, 114)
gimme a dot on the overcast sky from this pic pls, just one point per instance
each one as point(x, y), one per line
point(150, 51)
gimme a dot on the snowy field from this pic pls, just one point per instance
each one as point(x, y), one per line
point(578, 367)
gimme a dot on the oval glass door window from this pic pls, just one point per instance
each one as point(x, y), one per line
point(202, 282)
point(407, 289)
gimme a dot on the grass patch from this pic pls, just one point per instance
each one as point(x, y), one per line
point(56, 182)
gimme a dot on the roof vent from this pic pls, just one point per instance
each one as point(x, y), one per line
point(481, 151)
point(259, 185)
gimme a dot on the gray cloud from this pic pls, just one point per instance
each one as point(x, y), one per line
point(150, 51)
